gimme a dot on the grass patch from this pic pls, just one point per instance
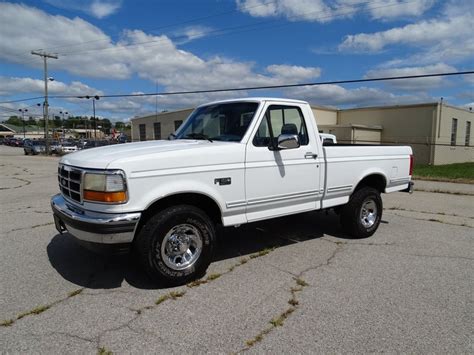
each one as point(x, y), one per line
point(459, 172)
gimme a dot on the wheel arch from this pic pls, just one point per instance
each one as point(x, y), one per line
point(376, 180)
point(199, 200)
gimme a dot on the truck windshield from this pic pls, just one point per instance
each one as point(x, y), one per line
point(221, 122)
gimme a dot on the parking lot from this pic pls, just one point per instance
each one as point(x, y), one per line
point(293, 284)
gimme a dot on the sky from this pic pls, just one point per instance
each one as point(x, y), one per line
point(128, 47)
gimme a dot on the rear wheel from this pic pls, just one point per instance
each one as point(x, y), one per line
point(361, 216)
point(176, 245)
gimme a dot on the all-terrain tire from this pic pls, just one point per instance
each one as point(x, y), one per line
point(361, 216)
point(160, 241)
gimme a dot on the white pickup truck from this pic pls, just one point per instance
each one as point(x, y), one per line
point(231, 162)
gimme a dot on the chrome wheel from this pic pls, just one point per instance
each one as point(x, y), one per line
point(368, 213)
point(181, 247)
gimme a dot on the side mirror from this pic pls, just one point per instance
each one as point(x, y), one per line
point(288, 141)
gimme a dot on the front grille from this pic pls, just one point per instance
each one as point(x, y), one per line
point(70, 180)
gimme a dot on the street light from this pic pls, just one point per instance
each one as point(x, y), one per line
point(94, 99)
point(23, 110)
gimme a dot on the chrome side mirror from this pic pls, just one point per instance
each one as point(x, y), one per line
point(288, 141)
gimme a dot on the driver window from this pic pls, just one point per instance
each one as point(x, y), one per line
point(283, 120)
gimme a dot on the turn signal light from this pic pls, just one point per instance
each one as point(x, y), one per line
point(109, 197)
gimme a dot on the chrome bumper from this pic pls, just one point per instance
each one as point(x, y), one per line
point(94, 227)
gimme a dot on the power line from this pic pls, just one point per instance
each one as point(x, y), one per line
point(250, 88)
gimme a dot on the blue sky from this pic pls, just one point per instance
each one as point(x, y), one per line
point(124, 46)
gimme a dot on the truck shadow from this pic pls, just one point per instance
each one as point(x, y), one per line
point(87, 269)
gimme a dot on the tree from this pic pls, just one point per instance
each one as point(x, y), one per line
point(14, 120)
point(119, 125)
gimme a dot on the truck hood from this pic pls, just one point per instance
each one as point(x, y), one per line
point(149, 152)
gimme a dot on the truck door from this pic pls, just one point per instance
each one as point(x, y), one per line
point(281, 181)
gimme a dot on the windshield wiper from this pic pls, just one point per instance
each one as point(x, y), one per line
point(198, 136)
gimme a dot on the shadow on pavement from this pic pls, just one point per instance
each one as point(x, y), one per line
point(87, 269)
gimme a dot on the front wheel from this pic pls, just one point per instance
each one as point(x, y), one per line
point(361, 216)
point(176, 245)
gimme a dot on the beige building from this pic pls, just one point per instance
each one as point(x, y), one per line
point(438, 133)
point(158, 126)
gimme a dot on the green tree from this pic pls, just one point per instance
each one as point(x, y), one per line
point(14, 120)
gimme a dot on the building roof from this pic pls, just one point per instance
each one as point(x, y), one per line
point(163, 113)
point(19, 129)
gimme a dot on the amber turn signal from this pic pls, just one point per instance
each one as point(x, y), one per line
point(110, 197)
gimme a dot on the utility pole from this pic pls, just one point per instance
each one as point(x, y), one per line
point(45, 57)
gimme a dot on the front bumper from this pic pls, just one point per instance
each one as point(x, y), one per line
point(93, 227)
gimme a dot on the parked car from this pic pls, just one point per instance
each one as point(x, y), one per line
point(67, 147)
point(34, 147)
point(231, 162)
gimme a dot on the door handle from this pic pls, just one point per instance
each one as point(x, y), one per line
point(310, 155)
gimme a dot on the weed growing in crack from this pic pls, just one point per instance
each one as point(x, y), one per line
point(35, 311)
point(262, 253)
point(173, 295)
point(6, 323)
point(103, 351)
point(279, 320)
point(75, 293)
point(212, 277)
point(196, 283)
point(301, 282)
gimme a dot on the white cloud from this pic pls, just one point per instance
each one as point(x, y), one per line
point(326, 11)
point(336, 95)
point(101, 9)
point(16, 85)
point(95, 8)
point(293, 73)
point(400, 8)
point(423, 33)
point(190, 33)
point(413, 84)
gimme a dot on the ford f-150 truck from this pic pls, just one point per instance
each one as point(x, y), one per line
point(231, 162)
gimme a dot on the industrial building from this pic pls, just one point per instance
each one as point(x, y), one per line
point(437, 132)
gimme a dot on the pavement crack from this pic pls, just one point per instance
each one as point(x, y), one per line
point(294, 303)
point(31, 227)
point(427, 212)
point(439, 256)
point(434, 220)
point(39, 309)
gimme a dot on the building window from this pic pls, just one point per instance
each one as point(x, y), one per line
point(157, 129)
point(454, 131)
point(468, 133)
point(142, 130)
point(177, 124)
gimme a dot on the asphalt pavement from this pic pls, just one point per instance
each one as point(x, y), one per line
point(289, 285)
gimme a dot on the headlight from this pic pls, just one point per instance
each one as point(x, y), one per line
point(108, 187)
